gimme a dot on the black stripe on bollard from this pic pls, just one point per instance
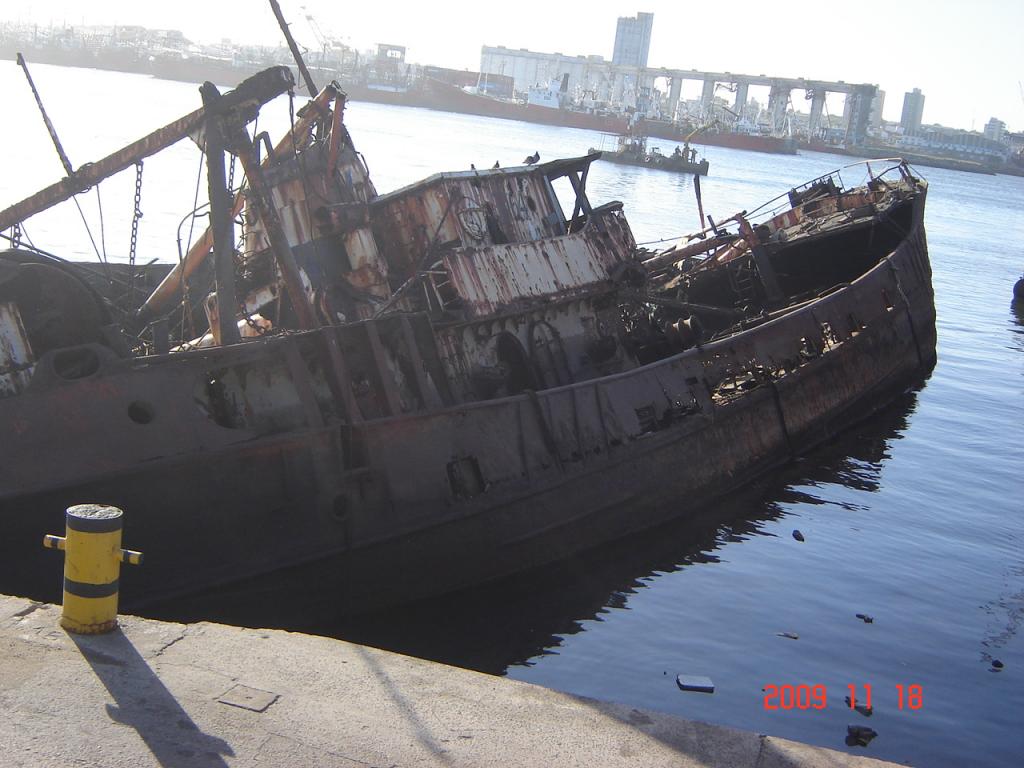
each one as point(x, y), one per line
point(81, 589)
point(94, 524)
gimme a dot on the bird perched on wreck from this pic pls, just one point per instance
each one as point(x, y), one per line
point(495, 166)
point(531, 159)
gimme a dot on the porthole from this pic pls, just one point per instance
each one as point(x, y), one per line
point(141, 412)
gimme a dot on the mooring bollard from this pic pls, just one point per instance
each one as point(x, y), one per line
point(92, 567)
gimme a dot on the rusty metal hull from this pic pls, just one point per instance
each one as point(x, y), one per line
point(398, 508)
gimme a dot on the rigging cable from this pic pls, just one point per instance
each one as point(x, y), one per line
point(63, 263)
point(103, 226)
point(186, 304)
point(663, 240)
point(51, 256)
point(103, 242)
point(88, 231)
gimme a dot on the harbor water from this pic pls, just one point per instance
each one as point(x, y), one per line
point(913, 519)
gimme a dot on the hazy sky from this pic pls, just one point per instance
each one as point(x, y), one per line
point(967, 57)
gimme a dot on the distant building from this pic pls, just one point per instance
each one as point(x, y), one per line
point(967, 145)
point(393, 53)
point(994, 129)
point(1015, 141)
point(913, 109)
point(530, 68)
point(633, 40)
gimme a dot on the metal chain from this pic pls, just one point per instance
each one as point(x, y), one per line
point(231, 174)
point(16, 235)
point(135, 232)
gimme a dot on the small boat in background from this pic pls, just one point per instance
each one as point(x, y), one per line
point(632, 150)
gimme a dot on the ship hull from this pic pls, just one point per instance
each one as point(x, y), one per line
point(435, 94)
point(362, 516)
point(774, 145)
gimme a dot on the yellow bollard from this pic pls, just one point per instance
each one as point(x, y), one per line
point(92, 567)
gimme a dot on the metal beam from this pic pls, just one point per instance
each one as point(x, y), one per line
point(383, 372)
point(306, 77)
point(170, 287)
point(263, 203)
point(610, 70)
point(68, 169)
point(246, 99)
point(221, 221)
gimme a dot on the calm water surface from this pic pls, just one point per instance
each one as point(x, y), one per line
point(914, 517)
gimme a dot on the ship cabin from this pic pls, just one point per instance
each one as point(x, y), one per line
point(493, 282)
point(521, 290)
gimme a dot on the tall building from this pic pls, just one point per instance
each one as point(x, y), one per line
point(633, 40)
point(913, 108)
point(994, 129)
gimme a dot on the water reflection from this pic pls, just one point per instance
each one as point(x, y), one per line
point(1006, 612)
point(1017, 313)
point(1006, 616)
point(497, 626)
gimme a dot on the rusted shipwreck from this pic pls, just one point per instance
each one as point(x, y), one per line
point(412, 392)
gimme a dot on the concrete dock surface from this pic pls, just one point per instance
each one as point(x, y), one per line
point(163, 694)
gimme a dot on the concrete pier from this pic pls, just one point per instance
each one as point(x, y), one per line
point(162, 694)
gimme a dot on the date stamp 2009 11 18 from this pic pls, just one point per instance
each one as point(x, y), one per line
point(816, 697)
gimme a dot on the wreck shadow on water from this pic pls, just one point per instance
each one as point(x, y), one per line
point(496, 626)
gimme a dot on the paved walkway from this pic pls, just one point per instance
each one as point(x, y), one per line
point(175, 695)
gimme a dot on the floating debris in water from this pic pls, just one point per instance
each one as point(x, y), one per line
point(797, 535)
point(697, 683)
point(788, 635)
point(997, 664)
point(859, 735)
point(865, 618)
point(864, 710)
